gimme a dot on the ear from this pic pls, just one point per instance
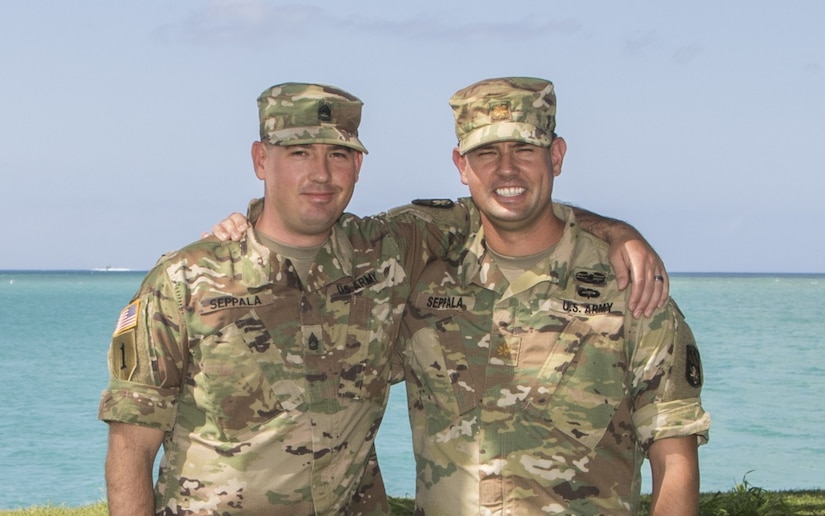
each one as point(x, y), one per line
point(359, 160)
point(557, 151)
point(258, 152)
point(461, 164)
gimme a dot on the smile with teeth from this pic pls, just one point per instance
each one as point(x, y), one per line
point(510, 191)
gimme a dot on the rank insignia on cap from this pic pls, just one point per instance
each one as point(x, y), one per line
point(127, 319)
point(500, 112)
point(693, 367)
point(325, 113)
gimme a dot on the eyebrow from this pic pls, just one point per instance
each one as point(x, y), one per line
point(333, 145)
point(523, 144)
point(492, 144)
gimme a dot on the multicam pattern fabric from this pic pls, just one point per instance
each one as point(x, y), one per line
point(541, 395)
point(297, 113)
point(519, 109)
point(270, 392)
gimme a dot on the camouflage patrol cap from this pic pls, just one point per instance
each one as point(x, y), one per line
point(298, 113)
point(519, 109)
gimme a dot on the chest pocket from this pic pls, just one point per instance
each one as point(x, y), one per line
point(365, 357)
point(436, 357)
point(582, 380)
point(345, 348)
point(231, 372)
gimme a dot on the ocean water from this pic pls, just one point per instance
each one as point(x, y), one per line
point(762, 339)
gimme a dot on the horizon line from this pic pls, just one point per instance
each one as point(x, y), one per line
point(116, 270)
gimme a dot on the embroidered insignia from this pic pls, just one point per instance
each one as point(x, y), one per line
point(587, 293)
point(500, 112)
point(123, 355)
point(325, 112)
point(693, 367)
point(313, 335)
point(503, 350)
point(358, 284)
point(450, 303)
point(591, 278)
point(219, 303)
point(434, 203)
point(127, 319)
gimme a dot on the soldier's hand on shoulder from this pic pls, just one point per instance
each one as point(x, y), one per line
point(231, 228)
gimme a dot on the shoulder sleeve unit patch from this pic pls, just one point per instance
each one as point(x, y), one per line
point(123, 353)
point(693, 366)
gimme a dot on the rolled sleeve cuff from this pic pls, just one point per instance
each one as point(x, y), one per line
point(680, 418)
point(138, 404)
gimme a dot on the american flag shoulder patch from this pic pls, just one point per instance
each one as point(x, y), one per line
point(128, 318)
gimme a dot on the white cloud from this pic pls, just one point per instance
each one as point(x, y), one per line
point(642, 41)
point(244, 22)
point(258, 21)
point(686, 54)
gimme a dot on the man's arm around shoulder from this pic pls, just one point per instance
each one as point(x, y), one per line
point(674, 464)
point(129, 462)
point(633, 259)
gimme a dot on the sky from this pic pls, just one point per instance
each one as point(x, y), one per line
point(125, 127)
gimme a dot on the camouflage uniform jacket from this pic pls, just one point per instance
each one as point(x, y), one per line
point(270, 392)
point(541, 396)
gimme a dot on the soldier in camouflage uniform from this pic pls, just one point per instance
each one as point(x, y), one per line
point(263, 366)
point(456, 218)
point(531, 387)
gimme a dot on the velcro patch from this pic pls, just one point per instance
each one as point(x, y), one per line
point(685, 377)
point(434, 203)
point(441, 302)
point(693, 367)
point(128, 318)
point(123, 355)
point(313, 335)
point(500, 112)
point(591, 278)
point(228, 301)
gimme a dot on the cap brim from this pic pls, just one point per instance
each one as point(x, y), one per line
point(504, 132)
point(310, 135)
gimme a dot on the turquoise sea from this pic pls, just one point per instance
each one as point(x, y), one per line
point(762, 338)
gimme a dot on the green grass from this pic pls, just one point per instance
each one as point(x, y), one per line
point(743, 500)
point(98, 509)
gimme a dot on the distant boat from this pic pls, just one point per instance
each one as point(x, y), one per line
point(109, 268)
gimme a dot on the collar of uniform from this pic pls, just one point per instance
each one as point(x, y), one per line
point(471, 269)
point(260, 271)
point(478, 266)
point(334, 260)
point(256, 268)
